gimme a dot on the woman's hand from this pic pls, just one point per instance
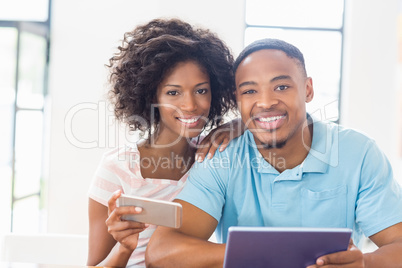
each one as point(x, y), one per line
point(125, 232)
point(219, 137)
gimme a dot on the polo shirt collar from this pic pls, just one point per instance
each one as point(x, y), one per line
point(319, 155)
point(318, 158)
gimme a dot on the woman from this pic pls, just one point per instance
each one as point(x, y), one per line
point(171, 81)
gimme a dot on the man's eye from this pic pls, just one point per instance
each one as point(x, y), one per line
point(202, 91)
point(172, 92)
point(280, 88)
point(251, 91)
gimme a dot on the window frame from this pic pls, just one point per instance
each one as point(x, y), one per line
point(41, 29)
point(317, 29)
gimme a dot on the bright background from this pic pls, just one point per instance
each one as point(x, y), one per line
point(85, 34)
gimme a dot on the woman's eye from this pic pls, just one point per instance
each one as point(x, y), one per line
point(172, 92)
point(202, 91)
point(280, 88)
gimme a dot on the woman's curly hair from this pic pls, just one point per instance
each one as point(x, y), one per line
point(149, 52)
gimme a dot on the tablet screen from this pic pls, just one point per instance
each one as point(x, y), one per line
point(282, 247)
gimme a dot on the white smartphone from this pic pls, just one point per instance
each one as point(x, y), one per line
point(154, 211)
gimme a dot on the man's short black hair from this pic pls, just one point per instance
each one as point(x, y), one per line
point(290, 50)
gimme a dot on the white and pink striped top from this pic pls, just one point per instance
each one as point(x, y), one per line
point(120, 169)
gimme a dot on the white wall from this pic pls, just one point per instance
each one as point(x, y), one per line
point(371, 94)
point(84, 36)
point(86, 32)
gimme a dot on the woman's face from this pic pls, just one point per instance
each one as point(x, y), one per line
point(184, 98)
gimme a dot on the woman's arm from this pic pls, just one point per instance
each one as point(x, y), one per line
point(219, 137)
point(106, 227)
point(100, 242)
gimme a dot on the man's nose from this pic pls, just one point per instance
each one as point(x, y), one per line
point(267, 99)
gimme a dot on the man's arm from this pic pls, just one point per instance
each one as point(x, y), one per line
point(389, 252)
point(187, 246)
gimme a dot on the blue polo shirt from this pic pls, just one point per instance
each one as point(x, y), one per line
point(345, 181)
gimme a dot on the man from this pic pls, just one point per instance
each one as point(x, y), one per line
point(288, 169)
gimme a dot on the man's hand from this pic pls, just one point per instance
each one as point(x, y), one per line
point(352, 257)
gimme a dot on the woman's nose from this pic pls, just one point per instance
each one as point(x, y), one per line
point(189, 103)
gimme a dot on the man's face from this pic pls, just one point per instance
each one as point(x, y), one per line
point(271, 92)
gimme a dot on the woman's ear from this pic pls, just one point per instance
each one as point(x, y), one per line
point(155, 99)
point(309, 89)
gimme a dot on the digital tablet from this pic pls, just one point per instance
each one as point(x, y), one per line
point(154, 211)
point(276, 247)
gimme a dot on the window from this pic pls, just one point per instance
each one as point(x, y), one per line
point(316, 28)
point(24, 49)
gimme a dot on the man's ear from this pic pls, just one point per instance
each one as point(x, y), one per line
point(309, 89)
point(236, 94)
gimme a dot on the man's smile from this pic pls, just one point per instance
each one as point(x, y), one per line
point(269, 122)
